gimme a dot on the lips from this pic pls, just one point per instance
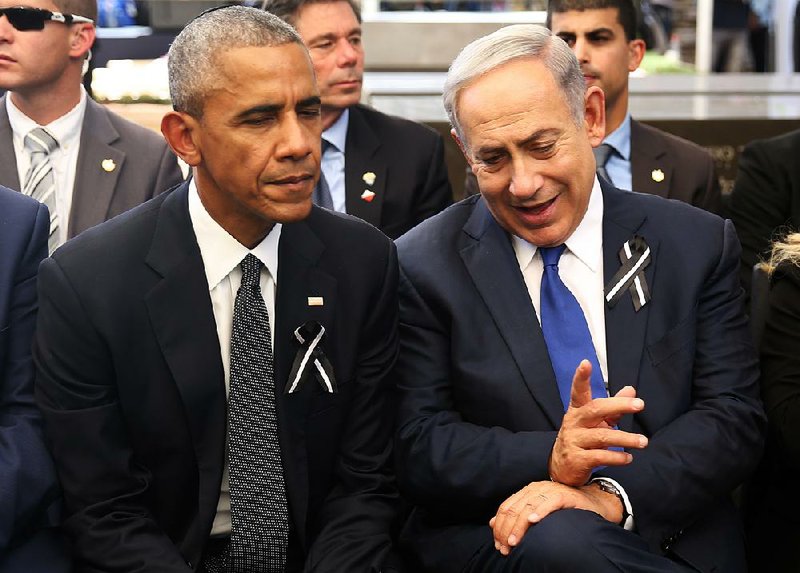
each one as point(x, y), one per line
point(292, 179)
point(538, 215)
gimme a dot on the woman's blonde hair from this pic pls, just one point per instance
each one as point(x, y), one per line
point(785, 251)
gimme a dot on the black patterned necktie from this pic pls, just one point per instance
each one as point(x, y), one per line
point(39, 180)
point(601, 155)
point(259, 512)
point(322, 192)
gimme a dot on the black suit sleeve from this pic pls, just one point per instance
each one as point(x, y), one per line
point(760, 203)
point(436, 193)
point(355, 519)
point(105, 489)
point(780, 366)
point(28, 486)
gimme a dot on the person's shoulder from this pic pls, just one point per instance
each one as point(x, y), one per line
point(441, 233)
point(340, 231)
point(396, 126)
point(117, 239)
point(12, 200)
point(778, 147)
point(133, 133)
point(674, 143)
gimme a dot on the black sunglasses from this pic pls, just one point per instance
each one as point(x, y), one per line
point(24, 18)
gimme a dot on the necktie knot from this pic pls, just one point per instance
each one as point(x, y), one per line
point(38, 140)
point(251, 270)
point(602, 153)
point(551, 255)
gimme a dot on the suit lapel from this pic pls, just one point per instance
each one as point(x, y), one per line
point(98, 168)
point(298, 279)
point(361, 157)
point(625, 328)
point(180, 310)
point(492, 265)
point(650, 172)
point(8, 159)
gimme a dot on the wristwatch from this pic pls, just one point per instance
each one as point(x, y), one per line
point(609, 486)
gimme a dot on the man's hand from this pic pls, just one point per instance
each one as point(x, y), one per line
point(588, 431)
point(537, 500)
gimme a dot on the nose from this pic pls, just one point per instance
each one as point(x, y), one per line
point(6, 29)
point(581, 50)
point(348, 53)
point(526, 178)
point(297, 139)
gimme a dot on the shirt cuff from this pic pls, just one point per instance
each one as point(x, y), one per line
point(628, 524)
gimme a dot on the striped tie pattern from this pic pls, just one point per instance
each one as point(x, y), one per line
point(39, 180)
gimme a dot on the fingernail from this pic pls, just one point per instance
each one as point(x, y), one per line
point(512, 539)
point(637, 403)
point(504, 550)
point(534, 518)
point(630, 459)
point(643, 441)
point(497, 545)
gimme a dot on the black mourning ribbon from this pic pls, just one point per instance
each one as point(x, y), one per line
point(635, 257)
point(311, 360)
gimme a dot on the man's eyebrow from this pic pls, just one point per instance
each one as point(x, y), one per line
point(312, 101)
point(260, 109)
point(539, 135)
point(602, 30)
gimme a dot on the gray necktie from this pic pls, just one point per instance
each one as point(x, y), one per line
point(601, 155)
point(322, 193)
point(259, 509)
point(39, 180)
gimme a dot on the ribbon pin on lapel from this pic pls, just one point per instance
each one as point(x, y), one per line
point(634, 256)
point(310, 359)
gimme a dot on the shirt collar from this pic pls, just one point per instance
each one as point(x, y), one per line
point(336, 134)
point(222, 253)
point(63, 129)
point(585, 242)
point(620, 138)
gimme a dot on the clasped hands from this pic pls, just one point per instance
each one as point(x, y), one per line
point(581, 445)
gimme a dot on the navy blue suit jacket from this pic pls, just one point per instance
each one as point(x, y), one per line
point(131, 384)
point(480, 408)
point(29, 495)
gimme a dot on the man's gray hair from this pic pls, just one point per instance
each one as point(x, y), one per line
point(511, 43)
point(193, 56)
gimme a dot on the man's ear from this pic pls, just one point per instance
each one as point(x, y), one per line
point(595, 115)
point(182, 134)
point(81, 39)
point(461, 146)
point(636, 49)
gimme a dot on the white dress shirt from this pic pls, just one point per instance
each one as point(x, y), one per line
point(67, 131)
point(221, 255)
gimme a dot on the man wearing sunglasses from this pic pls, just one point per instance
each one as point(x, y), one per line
point(56, 144)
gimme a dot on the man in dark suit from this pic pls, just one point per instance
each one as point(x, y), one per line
point(29, 495)
point(103, 164)
point(765, 201)
point(386, 170)
point(147, 322)
point(559, 316)
point(602, 33)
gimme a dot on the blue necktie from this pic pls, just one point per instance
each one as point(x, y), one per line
point(565, 330)
point(322, 192)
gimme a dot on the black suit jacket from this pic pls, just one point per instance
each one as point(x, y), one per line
point(688, 169)
point(765, 201)
point(773, 506)
point(30, 500)
point(665, 165)
point(407, 160)
point(130, 382)
point(143, 166)
point(480, 408)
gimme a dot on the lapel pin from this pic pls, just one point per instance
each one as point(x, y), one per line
point(108, 165)
point(657, 175)
point(316, 301)
point(369, 178)
point(368, 195)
